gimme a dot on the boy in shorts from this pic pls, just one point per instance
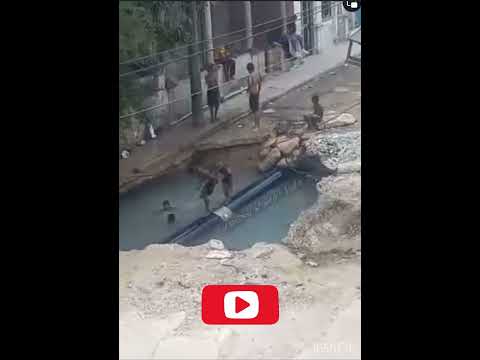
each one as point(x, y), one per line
point(254, 87)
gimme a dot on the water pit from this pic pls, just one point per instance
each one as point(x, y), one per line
point(277, 201)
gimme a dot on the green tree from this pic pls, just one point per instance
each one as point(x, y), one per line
point(145, 28)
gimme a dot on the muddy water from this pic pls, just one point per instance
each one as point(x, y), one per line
point(141, 221)
point(267, 219)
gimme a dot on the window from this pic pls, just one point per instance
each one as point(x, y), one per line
point(326, 10)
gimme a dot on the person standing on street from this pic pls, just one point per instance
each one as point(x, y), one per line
point(213, 93)
point(254, 87)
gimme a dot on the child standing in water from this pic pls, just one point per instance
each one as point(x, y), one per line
point(207, 190)
point(168, 208)
point(227, 180)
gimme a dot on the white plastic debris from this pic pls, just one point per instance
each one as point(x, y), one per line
point(125, 154)
point(224, 213)
point(215, 244)
point(268, 111)
point(152, 132)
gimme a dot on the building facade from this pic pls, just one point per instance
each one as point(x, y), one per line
point(324, 24)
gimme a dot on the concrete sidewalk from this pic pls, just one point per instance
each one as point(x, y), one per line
point(177, 143)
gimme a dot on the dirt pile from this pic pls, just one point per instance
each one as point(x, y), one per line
point(160, 294)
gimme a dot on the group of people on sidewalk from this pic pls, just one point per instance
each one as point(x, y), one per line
point(254, 82)
point(293, 47)
point(213, 100)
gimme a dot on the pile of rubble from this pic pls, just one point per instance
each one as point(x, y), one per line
point(337, 151)
point(282, 151)
point(334, 221)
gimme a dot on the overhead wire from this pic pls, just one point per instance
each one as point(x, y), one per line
point(201, 91)
point(314, 11)
point(199, 42)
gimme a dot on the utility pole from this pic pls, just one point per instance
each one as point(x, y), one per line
point(194, 64)
point(248, 23)
point(283, 14)
point(208, 31)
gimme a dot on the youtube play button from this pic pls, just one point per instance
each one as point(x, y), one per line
point(240, 304)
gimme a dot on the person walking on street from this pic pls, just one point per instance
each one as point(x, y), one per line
point(254, 87)
point(213, 93)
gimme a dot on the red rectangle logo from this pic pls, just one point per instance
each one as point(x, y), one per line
point(240, 304)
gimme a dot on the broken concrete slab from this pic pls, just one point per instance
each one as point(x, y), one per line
point(287, 147)
point(270, 161)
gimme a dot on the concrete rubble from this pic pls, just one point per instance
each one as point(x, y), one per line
point(336, 148)
point(337, 151)
point(287, 147)
point(270, 160)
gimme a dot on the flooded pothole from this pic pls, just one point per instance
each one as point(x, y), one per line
point(266, 218)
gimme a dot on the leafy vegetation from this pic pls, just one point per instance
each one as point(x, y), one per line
point(146, 28)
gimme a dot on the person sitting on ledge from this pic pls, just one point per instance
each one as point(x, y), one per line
point(313, 121)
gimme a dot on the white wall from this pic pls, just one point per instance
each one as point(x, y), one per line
point(329, 32)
